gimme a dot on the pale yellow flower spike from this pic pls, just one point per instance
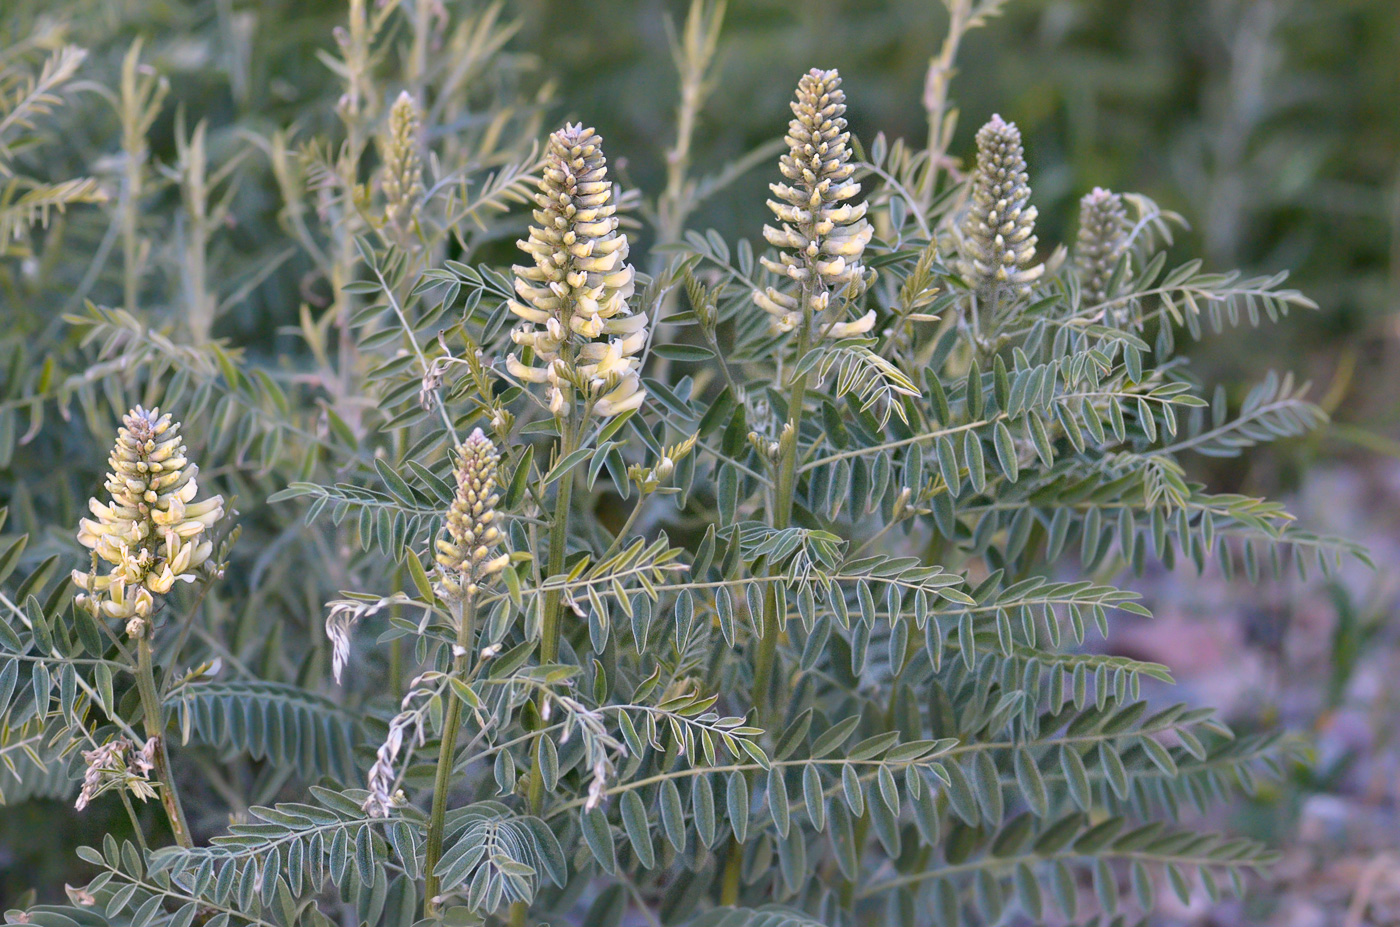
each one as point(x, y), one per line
point(402, 178)
point(998, 232)
point(470, 537)
point(153, 532)
point(823, 233)
point(573, 300)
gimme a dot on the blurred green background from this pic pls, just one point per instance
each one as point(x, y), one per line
point(1273, 126)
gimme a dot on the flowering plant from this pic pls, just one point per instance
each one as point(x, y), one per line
point(707, 586)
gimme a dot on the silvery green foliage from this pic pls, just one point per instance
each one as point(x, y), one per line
point(931, 734)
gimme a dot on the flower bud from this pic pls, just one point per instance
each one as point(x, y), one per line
point(997, 246)
point(1103, 237)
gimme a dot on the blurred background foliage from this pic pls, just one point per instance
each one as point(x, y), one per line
point(1273, 126)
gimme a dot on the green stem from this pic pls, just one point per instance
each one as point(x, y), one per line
point(442, 781)
point(155, 728)
point(558, 547)
point(765, 661)
point(135, 821)
point(733, 870)
point(185, 629)
point(553, 608)
point(626, 527)
point(787, 466)
point(767, 657)
point(784, 491)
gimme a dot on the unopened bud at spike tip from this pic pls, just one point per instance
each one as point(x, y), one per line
point(1103, 237)
point(402, 178)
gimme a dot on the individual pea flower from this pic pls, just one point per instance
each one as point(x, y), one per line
point(402, 178)
point(1103, 237)
point(823, 234)
point(997, 235)
point(573, 301)
point(153, 532)
point(465, 554)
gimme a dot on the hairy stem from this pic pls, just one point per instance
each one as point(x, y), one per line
point(442, 781)
point(155, 728)
point(781, 517)
point(553, 608)
point(558, 547)
point(940, 75)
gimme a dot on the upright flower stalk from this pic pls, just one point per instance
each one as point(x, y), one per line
point(576, 324)
point(152, 534)
point(821, 233)
point(821, 236)
point(582, 340)
point(997, 235)
point(466, 557)
point(579, 337)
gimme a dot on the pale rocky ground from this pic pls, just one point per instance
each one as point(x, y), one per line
point(1263, 656)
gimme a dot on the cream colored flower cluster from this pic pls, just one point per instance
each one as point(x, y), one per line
point(998, 232)
point(1103, 237)
point(573, 300)
point(823, 234)
point(465, 553)
point(153, 532)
